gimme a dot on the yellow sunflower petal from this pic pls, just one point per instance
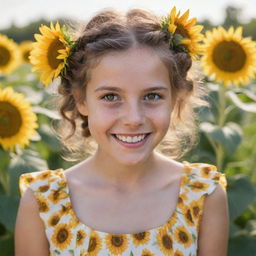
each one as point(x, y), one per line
point(49, 53)
point(228, 56)
point(187, 29)
point(25, 48)
point(17, 121)
point(10, 57)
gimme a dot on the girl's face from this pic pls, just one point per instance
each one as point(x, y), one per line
point(128, 103)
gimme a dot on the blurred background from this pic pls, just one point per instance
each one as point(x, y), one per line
point(20, 19)
point(227, 131)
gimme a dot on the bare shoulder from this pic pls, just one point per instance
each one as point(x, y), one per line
point(28, 222)
point(215, 224)
point(218, 197)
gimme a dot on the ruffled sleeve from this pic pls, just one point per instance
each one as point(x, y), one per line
point(25, 181)
point(204, 177)
point(38, 181)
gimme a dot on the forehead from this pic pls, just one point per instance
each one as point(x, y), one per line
point(137, 65)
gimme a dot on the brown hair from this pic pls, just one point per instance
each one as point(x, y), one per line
point(113, 31)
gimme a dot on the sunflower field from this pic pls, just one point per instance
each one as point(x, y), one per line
point(227, 130)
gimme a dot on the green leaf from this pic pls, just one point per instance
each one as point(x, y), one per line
point(242, 245)
point(7, 246)
point(44, 111)
point(251, 227)
point(5, 159)
point(8, 211)
point(229, 136)
point(71, 252)
point(249, 107)
point(241, 193)
point(48, 137)
point(233, 229)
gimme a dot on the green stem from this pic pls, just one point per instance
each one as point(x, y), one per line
point(222, 105)
point(219, 151)
point(219, 157)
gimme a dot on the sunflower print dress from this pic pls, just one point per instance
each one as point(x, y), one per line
point(178, 236)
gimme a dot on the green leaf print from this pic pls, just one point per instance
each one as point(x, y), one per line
point(71, 252)
point(131, 253)
point(57, 252)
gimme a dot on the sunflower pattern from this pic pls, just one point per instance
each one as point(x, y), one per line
point(178, 236)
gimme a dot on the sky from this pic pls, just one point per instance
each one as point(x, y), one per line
point(21, 12)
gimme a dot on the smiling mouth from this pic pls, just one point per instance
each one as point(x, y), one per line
point(131, 139)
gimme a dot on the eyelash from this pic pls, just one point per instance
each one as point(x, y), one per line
point(104, 97)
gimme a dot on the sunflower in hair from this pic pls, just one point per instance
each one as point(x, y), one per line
point(186, 34)
point(50, 52)
point(9, 55)
point(17, 121)
point(229, 56)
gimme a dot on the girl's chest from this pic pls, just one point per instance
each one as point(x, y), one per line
point(123, 214)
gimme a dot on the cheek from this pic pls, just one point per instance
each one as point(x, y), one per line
point(161, 119)
point(100, 121)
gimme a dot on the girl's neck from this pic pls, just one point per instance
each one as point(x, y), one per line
point(127, 177)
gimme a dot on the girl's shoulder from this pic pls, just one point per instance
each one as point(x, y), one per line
point(203, 177)
point(40, 181)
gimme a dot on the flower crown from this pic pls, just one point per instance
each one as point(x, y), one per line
point(54, 45)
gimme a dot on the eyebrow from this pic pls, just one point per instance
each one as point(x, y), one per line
point(117, 89)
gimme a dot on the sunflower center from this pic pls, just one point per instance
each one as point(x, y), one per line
point(140, 236)
point(62, 235)
point(196, 210)
point(43, 206)
point(198, 185)
point(29, 179)
point(79, 236)
point(206, 170)
point(56, 194)
point(117, 241)
point(5, 56)
point(189, 216)
point(44, 188)
point(55, 220)
point(167, 242)
point(182, 30)
point(10, 120)
point(92, 244)
point(25, 56)
point(52, 54)
point(229, 56)
point(183, 236)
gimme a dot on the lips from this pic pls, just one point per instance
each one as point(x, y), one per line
point(131, 139)
point(131, 135)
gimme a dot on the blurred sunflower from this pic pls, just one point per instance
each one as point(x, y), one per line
point(229, 56)
point(17, 121)
point(50, 52)
point(9, 55)
point(188, 30)
point(25, 48)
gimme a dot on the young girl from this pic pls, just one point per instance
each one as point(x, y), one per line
point(125, 87)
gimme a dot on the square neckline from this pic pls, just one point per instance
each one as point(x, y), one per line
point(172, 215)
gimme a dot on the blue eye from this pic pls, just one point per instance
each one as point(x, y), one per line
point(110, 97)
point(153, 96)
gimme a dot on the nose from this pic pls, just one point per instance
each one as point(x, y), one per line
point(134, 115)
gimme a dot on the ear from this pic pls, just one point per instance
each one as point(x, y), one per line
point(80, 102)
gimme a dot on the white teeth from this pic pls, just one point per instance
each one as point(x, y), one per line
point(130, 139)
